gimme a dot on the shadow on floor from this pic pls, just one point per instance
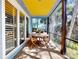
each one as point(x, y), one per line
point(48, 50)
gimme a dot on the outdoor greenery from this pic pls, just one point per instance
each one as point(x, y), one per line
point(72, 49)
point(72, 53)
point(55, 27)
point(39, 24)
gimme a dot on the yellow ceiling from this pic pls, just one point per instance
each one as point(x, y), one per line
point(39, 7)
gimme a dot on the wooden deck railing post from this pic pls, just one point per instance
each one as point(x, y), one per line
point(63, 29)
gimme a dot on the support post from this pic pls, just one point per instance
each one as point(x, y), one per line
point(2, 29)
point(63, 29)
point(18, 28)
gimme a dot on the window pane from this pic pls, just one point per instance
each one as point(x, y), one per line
point(39, 24)
point(72, 29)
point(10, 29)
point(21, 27)
point(55, 26)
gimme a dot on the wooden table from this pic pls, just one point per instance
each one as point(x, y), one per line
point(41, 37)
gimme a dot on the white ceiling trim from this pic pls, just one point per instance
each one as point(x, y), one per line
point(24, 7)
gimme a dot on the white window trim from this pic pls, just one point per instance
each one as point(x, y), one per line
point(2, 29)
point(18, 28)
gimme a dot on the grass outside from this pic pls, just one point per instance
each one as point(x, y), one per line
point(72, 50)
point(72, 53)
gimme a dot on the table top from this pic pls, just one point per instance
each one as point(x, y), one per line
point(39, 35)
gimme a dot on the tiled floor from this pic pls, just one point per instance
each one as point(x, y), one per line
point(39, 53)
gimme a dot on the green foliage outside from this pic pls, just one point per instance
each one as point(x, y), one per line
point(72, 50)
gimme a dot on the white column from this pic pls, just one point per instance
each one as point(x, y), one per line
point(25, 27)
point(18, 28)
point(2, 29)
